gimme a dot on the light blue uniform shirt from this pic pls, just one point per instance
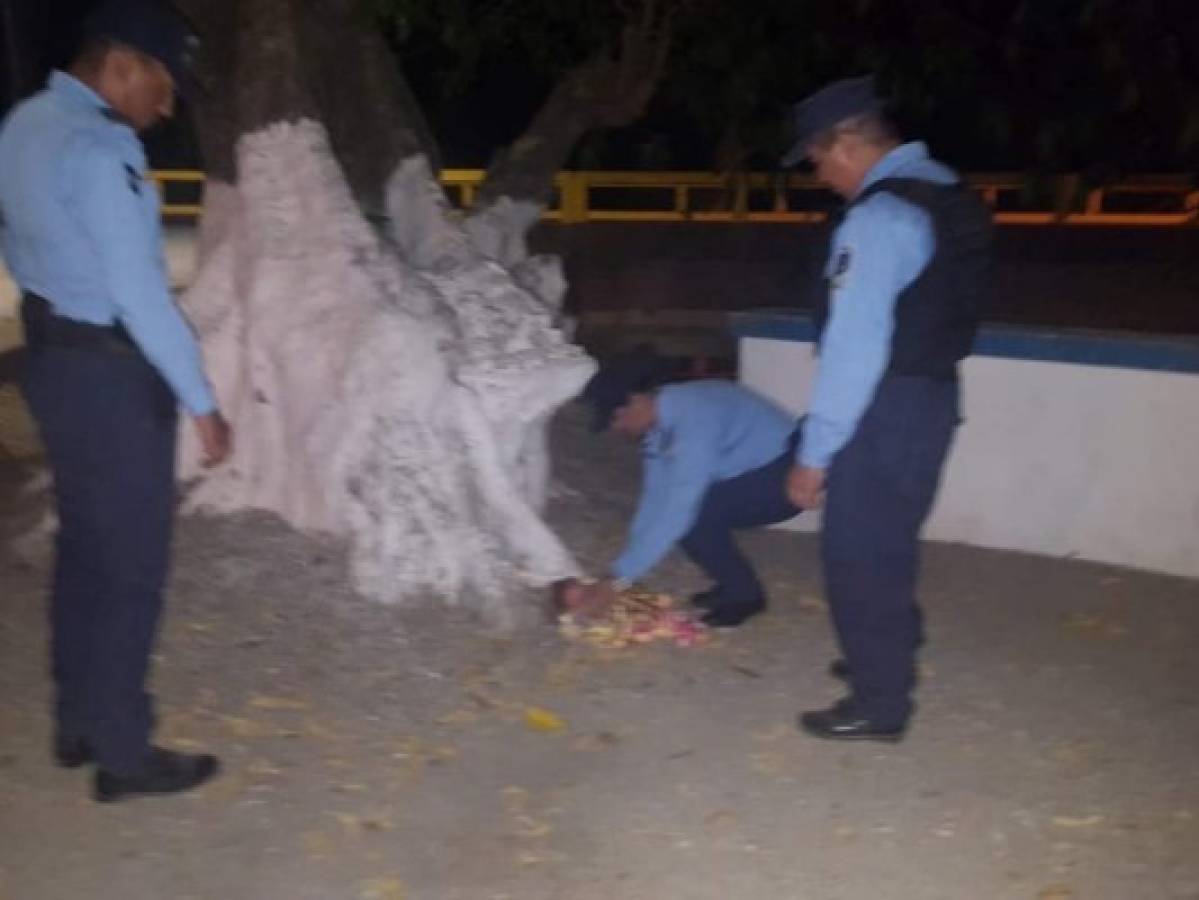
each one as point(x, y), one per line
point(80, 226)
point(877, 251)
point(706, 431)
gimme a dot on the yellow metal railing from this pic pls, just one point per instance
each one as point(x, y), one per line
point(1156, 201)
point(165, 178)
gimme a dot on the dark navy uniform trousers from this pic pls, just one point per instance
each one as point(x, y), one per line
point(755, 498)
point(881, 487)
point(108, 423)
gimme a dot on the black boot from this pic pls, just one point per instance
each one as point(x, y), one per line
point(708, 599)
point(163, 772)
point(839, 669)
point(732, 615)
point(842, 722)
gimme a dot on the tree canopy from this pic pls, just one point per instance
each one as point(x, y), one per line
point(1047, 85)
point(1100, 86)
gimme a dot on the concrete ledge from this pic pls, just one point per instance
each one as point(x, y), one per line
point(1073, 445)
point(1093, 348)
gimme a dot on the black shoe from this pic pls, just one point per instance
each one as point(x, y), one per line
point(708, 599)
point(729, 615)
point(842, 723)
point(164, 772)
point(839, 669)
point(72, 752)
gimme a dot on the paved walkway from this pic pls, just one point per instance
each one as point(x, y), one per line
point(376, 754)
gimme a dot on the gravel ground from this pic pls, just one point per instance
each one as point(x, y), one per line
point(377, 753)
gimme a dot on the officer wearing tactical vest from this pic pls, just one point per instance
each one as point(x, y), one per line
point(109, 357)
point(906, 276)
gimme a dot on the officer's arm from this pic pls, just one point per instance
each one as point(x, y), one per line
point(684, 479)
point(128, 247)
point(880, 249)
point(654, 478)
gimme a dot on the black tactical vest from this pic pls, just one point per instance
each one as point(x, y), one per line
point(937, 315)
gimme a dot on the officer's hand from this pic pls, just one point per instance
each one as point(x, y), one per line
point(216, 438)
point(805, 487)
point(593, 600)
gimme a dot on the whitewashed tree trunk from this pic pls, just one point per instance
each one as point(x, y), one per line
point(390, 390)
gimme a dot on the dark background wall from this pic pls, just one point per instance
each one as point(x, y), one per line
point(1144, 280)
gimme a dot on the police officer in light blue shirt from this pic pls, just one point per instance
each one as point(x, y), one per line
point(109, 358)
point(905, 281)
point(715, 457)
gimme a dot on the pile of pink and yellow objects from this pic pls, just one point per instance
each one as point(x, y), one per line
point(632, 617)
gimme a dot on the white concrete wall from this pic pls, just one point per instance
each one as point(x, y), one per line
point(1054, 458)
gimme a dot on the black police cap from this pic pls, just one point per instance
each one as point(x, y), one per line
point(155, 29)
point(828, 107)
point(620, 377)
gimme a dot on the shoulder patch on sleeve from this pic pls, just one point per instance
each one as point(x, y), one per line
point(134, 179)
point(840, 267)
point(841, 263)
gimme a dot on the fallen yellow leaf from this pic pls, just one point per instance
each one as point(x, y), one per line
point(527, 826)
point(314, 728)
point(543, 720)
point(515, 798)
point(316, 844)
point(248, 728)
point(812, 604)
point(768, 763)
point(353, 823)
point(263, 767)
point(260, 701)
point(1074, 822)
point(1101, 625)
point(382, 889)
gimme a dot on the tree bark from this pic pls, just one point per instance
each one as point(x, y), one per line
point(339, 72)
point(214, 106)
point(609, 90)
point(363, 100)
point(389, 388)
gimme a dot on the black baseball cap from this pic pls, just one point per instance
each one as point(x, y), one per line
point(155, 29)
point(637, 371)
point(828, 107)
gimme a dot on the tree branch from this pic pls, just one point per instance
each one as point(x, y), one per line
point(608, 90)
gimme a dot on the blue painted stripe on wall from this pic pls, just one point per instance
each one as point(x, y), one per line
point(1156, 354)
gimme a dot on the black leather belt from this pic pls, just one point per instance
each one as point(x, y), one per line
point(45, 329)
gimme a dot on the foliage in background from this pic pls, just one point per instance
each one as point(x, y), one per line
point(1097, 86)
point(1100, 86)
